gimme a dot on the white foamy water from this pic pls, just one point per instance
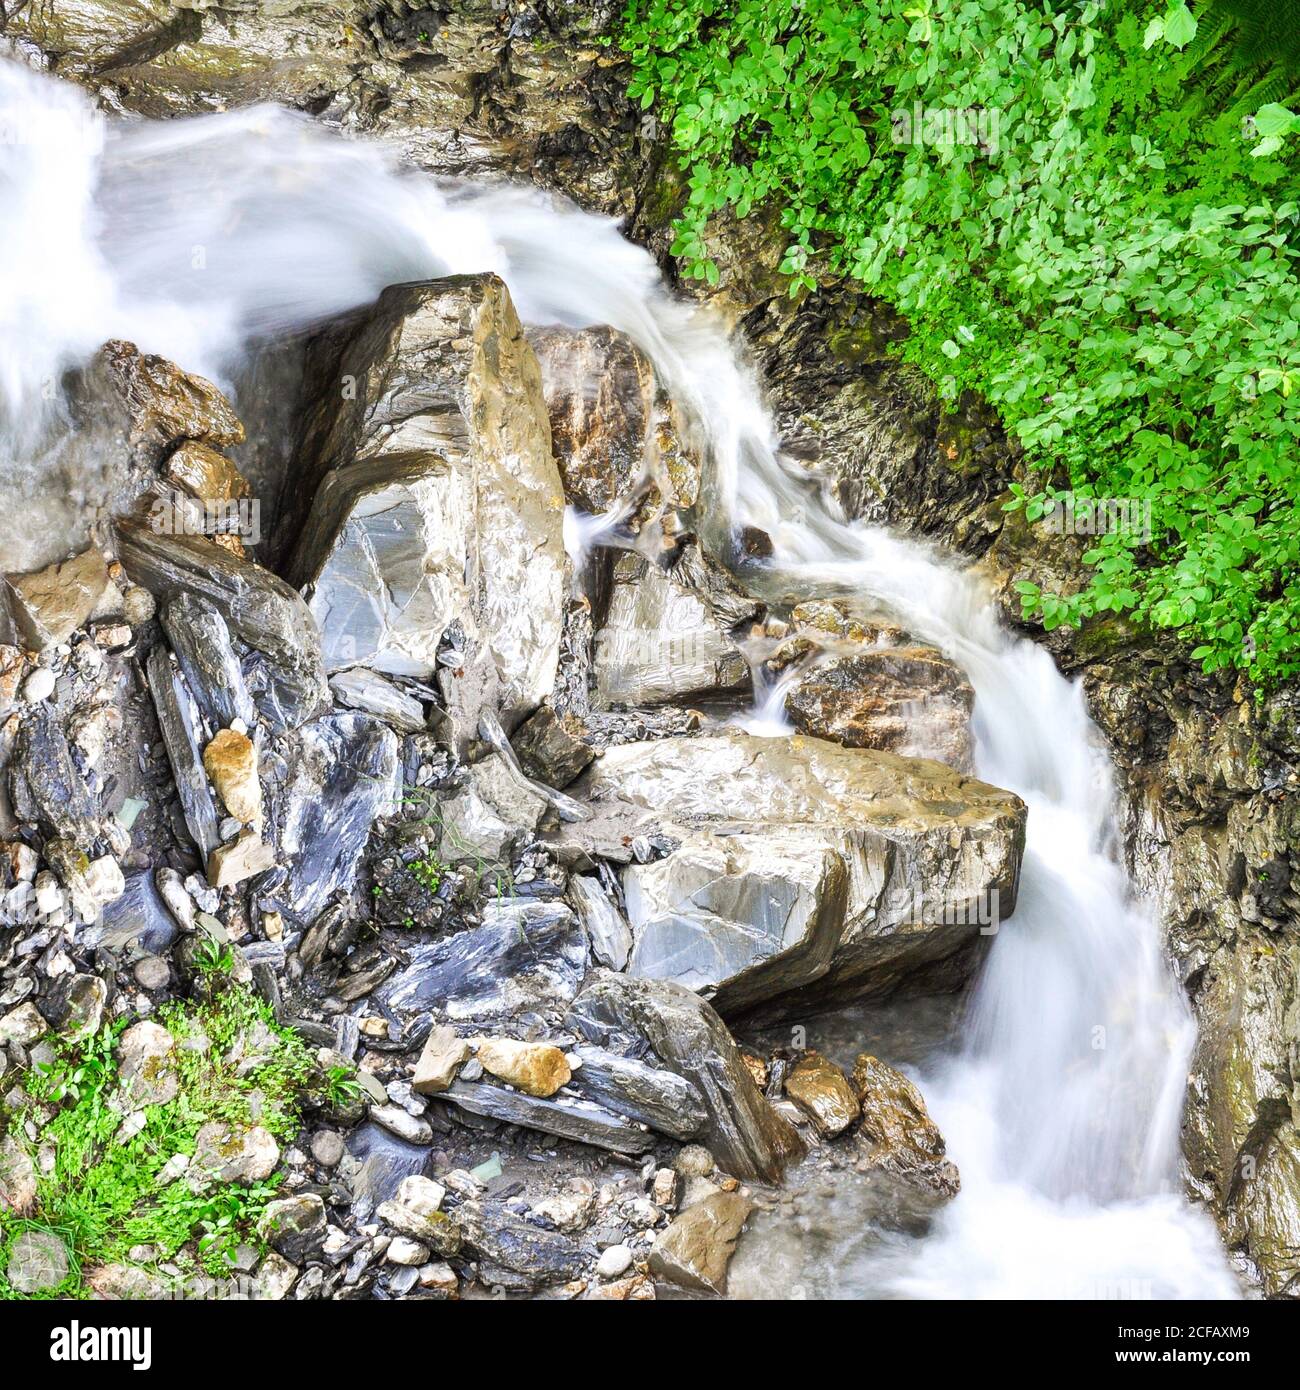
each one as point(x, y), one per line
point(194, 238)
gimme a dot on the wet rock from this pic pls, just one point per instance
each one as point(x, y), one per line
point(440, 1059)
point(45, 784)
point(605, 925)
point(50, 605)
point(182, 732)
point(662, 642)
point(365, 690)
point(259, 609)
point(343, 775)
point(38, 1260)
point(520, 1255)
point(550, 748)
point(576, 1119)
point(230, 761)
point(740, 918)
point(696, 1248)
point(932, 857)
point(908, 700)
point(440, 498)
point(146, 1065)
point(204, 473)
point(17, 1178)
point(228, 1152)
point(201, 640)
point(748, 1137)
point(897, 1132)
point(822, 1091)
point(537, 1069)
point(648, 1094)
point(294, 1226)
point(525, 956)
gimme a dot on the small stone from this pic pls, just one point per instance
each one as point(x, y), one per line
point(138, 605)
point(615, 1261)
point(694, 1161)
point(440, 1278)
point(538, 1069)
point(152, 973)
point(39, 685)
point(23, 1025)
point(415, 1212)
point(440, 1060)
point(244, 858)
point(231, 1153)
point(402, 1250)
point(104, 881)
point(664, 1191)
point(275, 1278)
point(294, 1226)
point(327, 1148)
point(570, 1210)
point(230, 760)
point(23, 860)
point(396, 1121)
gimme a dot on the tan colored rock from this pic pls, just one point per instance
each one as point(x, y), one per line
point(231, 763)
point(204, 473)
point(244, 857)
point(50, 605)
point(538, 1069)
point(441, 1058)
point(696, 1248)
point(634, 1289)
point(146, 1063)
point(17, 1178)
point(822, 1091)
point(897, 1132)
point(234, 1153)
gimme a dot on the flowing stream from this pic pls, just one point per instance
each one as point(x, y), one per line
point(196, 238)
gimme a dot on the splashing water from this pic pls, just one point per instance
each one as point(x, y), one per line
point(195, 238)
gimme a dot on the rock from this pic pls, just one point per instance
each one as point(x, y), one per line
point(614, 1261)
point(50, 605)
point(402, 1250)
point(343, 775)
point(741, 918)
point(636, 1289)
point(146, 1064)
point(201, 640)
point(908, 700)
point(17, 1178)
point(527, 955)
point(748, 1137)
point(415, 1211)
point(650, 1095)
point(45, 784)
point(204, 473)
point(81, 1003)
point(537, 1069)
point(520, 1255)
point(123, 1283)
point(152, 973)
point(246, 856)
point(228, 1152)
point(396, 1121)
point(822, 1091)
point(447, 437)
point(696, 1248)
point(664, 1191)
point(439, 1061)
point(439, 1279)
point(230, 761)
point(260, 610)
point(576, 1119)
point(662, 642)
point(931, 856)
point(275, 1278)
point(485, 820)
point(39, 685)
point(105, 882)
point(370, 692)
point(897, 1132)
point(572, 1210)
point(551, 749)
point(23, 1025)
point(38, 1260)
point(294, 1226)
point(327, 1148)
point(605, 925)
point(142, 915)
point(182, 732)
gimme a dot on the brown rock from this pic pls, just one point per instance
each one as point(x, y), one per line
point(897, 1131)
point(230, 760)
point(50, 605)
point(695, 1250)
point(441, 1058)
point(233, 1153)
point(204, 473)
point(539, 1069)
point(242, 858)
point(822, 1091)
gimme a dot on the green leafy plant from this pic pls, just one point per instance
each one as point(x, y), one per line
point(427, 872)
point(1075, 225)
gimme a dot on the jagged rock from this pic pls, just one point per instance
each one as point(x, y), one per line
point(365, 690)
point(416, 1211)
point(440, 498)
point(45, 784)
point(519, 1254)
point(230, 761)
point(579, 1120)
point(661, 642)
point(740, 918)
point(246, 856)
point(822, 1091)
point(17, 1178)
point(550, 750)
point(259, 609)
point(897, 1132)
point(23, 1025)
point(181, 726)
point(440, 1059)
point(526, 955)
point(294, 1226)
point(146, 1065)
point(344, 773)
point(201, 640)
point(908, 700)
point(537, 1069)
point(932, 857)
point(484, 821)
point(606, 927)
point(204, 473)
point(748, 1137)
point(234, 1153)
point(570, 1210)
point(696, 1248)
point(50, 605)
point(648, 1094)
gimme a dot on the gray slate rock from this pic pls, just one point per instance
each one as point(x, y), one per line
point(178, 718)
point(525, 1256)
point(570, 1119)
point(45, 784)
point(201, 640)
point(651, 1095)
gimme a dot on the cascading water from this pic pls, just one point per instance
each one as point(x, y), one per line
point(195, 238)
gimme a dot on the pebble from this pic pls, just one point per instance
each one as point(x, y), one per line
point(152, 972)
point(327, 1148)
point(614, 1261)
point(38, 686)
point(402, 1250)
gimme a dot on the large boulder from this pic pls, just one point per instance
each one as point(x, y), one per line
point(438, 496)
point(931, 859)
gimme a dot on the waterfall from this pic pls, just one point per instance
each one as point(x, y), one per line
point(197, 237)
